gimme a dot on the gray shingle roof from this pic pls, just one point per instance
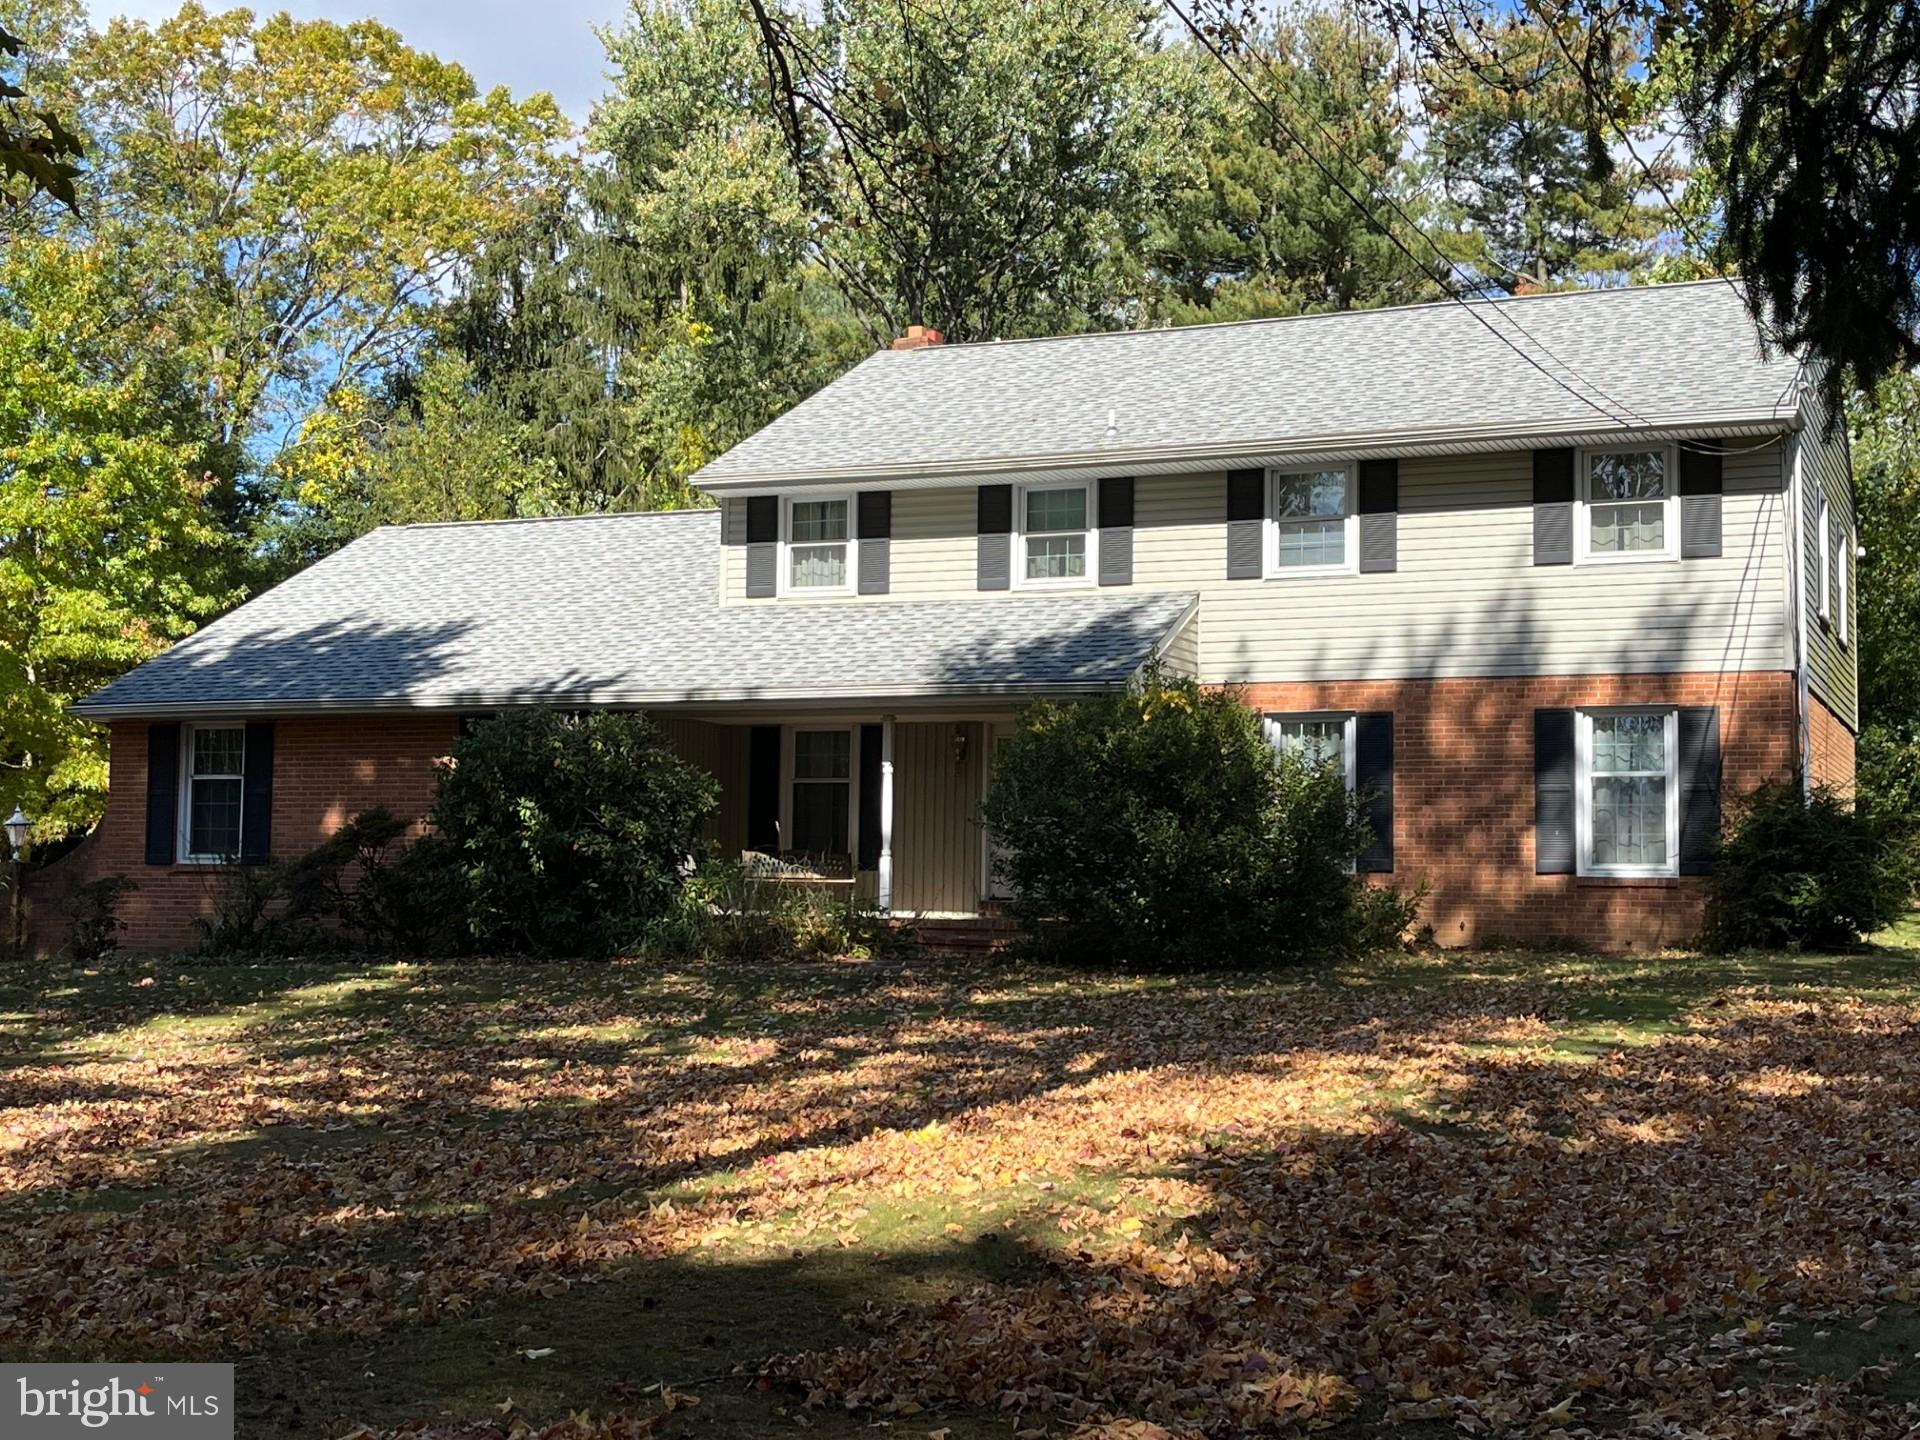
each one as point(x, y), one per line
point(1669, 355)
point(612, 609)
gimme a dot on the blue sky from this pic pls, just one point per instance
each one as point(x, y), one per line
point(544, 45)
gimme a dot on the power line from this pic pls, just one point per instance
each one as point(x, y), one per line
point(1443, 280)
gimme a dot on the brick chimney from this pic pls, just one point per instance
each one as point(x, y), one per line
point(918, 337)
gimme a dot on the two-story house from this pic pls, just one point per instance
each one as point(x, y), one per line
point(1553, 580)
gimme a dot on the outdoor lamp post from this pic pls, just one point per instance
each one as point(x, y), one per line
point(17, 826)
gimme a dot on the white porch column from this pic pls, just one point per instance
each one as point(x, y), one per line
point(885, 895)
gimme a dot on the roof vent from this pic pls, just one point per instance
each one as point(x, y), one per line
point(918, 337)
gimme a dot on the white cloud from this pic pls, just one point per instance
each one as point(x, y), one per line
point(549, 45)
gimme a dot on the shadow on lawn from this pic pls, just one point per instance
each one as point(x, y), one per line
point(382, 1121)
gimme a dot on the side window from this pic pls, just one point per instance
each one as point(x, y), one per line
point(1626, 506)
point(210, 801)
point(1315, 740)
point(1822, 547)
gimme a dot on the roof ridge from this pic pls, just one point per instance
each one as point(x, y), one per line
point(556, 519)
point(1493, 301)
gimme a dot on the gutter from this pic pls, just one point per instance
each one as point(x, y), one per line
point(1191, 458)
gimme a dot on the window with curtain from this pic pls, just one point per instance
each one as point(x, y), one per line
point(817, 532)
point(1314, 740)
point(1629, 791)
point(1627, 493)
point(1054, 534)
point(1310, 509)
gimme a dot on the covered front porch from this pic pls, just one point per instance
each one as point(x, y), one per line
point(883, 805)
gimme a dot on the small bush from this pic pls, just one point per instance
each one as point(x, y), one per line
point(570, 834)
point(1803, 872)
point(249, 905)
point(93, 917)
point(736, 916)
point(1159, 828)
point(363, 885)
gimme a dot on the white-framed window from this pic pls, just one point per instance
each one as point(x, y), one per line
point(1627, 808)
point(1319, 738)
point(213, 768)
point(1842, 565)
point(1823, 547)
point(1056, 535)
point(1311, 525)
point(821, 796)
point(818, 557)
point(1628, 505)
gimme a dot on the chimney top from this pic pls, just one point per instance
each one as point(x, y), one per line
point(918, 337)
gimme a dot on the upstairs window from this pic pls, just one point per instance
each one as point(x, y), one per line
point(1053, 535)
point(1629, 810)
point(1311, 510)
point(822, 791)
point(818, 532)
point(1842, 602)
point(1629, 498)
point(216, 763)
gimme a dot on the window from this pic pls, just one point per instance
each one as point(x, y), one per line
point(1842, 609)
point(1315, 739)
point(1822, 547)
point(216, 757)
point(818, 553)
point(1629, 501)
point(1311, 510)
point(822, 791)
point(1629, 798)
point(1053, 533)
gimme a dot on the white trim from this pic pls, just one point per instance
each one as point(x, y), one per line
point(1090, 536)
point(784, 585)
point(183, 800)
point(1841, 626)
point(1583, 793)
point(883, 879)
point(1583, 503)
point(1270, 565)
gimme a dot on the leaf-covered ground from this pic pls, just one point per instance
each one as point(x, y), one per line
point(1483, 1193)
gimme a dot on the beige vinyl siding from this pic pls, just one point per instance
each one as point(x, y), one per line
point(939, 853)
point(1832, 669)
point(720, 750)
point(1466, 599)
point(1182, 655)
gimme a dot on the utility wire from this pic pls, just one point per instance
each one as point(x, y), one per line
point(1443, 281)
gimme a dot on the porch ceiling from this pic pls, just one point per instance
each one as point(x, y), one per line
point(614, 610)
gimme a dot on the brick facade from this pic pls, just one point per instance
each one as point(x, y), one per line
point(325, 771)
point(1830, 747)
point(1463, 796)
point(1463, 801)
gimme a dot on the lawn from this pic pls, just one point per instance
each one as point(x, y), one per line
point(1473, 1192)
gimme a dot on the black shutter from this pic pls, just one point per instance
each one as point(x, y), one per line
point(1116, 530)
point(256, 791)
point(1699, 774)
point(1373, 781)
point(1379, 516)
point(1701, 465)
point(875, 531)
point(1246, 523)
point(869, 797)
point(163, 791)
point(763, 788)
point(763, 545)
point(1553, 792)
point(1553, 508)
point(993, 561)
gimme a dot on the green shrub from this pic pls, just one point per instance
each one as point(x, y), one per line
point(737, 916)
point(1888, 786)
point(1159, 828)
point(93, 917)
point(249, 912)
point(1806, 872)
point(364, 886)
point(570, 834)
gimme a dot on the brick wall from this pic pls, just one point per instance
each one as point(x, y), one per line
point(325, 771)
point(1463, 796)
point(1830, 748)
